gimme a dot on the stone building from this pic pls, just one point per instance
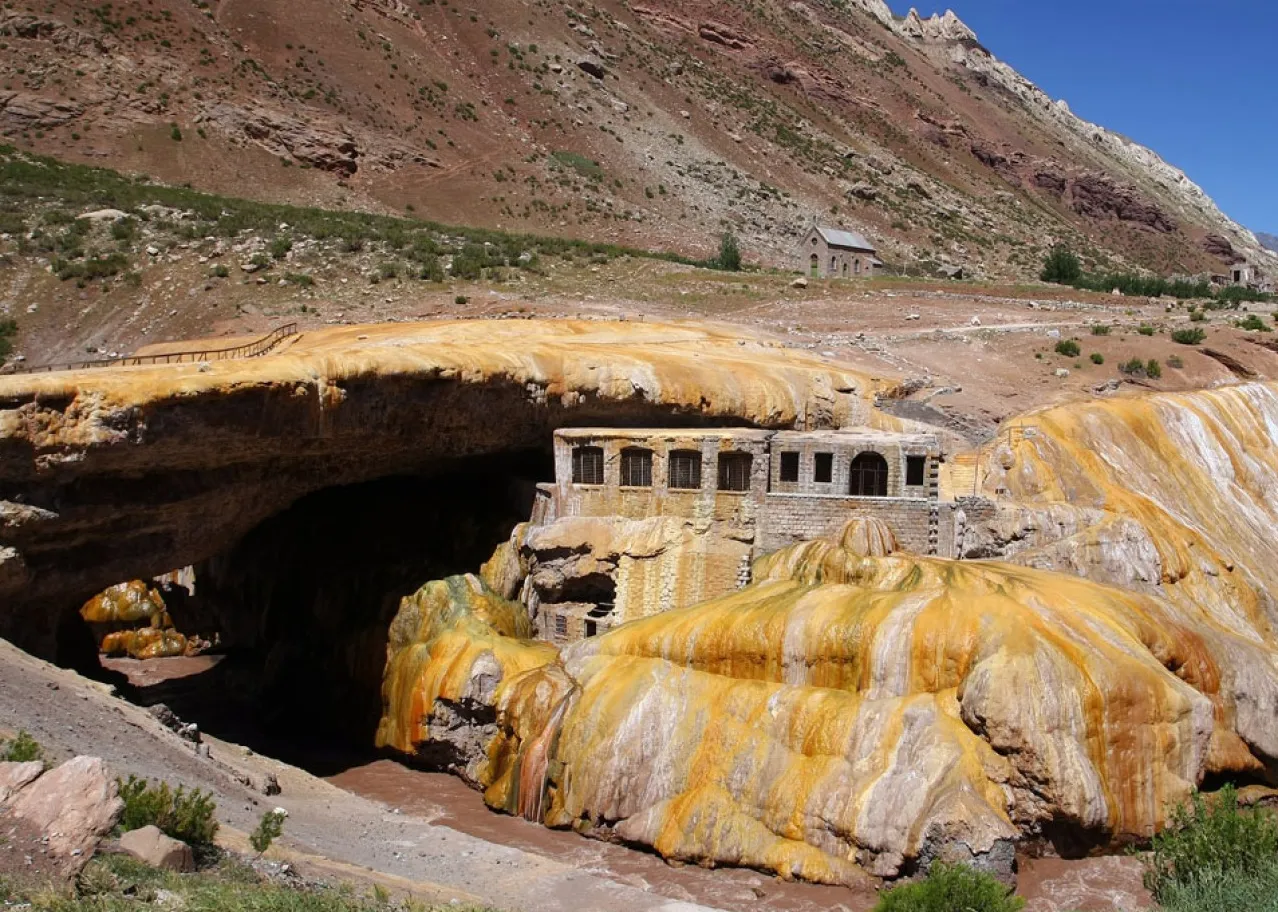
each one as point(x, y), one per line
point(656, 519)
point(836, 253)
point(1242, 274)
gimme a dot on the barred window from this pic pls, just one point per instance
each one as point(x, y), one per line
point(824, 468)
point(869, 477)
point(734, 471)
point(685, 470)
point(914, 470)
point(789, 466)
point(561, 625)
point(636, 468)
point(587, 465)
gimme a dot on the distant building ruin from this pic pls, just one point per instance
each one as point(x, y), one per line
point(1242, 274)
point(835, 253)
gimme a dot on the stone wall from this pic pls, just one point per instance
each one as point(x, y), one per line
point(792, 518)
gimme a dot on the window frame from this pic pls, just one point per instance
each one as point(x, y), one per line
point(872, 465)
point(579, 465)
point(818, 459)
point(630, 456)
point(790, 456)
point(913, 463)
point(676, 458)
point(734, 470)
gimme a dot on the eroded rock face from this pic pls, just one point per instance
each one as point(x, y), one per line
point(848, 714)
point(188, 461)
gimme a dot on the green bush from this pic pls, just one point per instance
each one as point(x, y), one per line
point(8, 329)
point(1209, 845)
point(1145, 329)
point(1061, 267)
point(1133, 366)
point(175, 133)
point(220, 271)
point(280, 247)
point(729, 253)
point(1068, 347)
point(1189, 336)
point(269, 828)
point(1198, 316)
point(124, 229)
point(1253, 322)
point(22, 748)
point(461, 300)
point(1101, 329)
point(951, 888)
point(1153, 370)
point(184, 815)
point(1098, 358)
point(300, 279)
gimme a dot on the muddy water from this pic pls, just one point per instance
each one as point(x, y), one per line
point(444, 799)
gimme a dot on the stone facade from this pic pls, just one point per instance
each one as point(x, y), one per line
point(629, 515)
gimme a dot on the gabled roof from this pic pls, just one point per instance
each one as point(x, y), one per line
point(837, 237)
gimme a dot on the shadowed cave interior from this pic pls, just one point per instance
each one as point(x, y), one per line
point(301, 605)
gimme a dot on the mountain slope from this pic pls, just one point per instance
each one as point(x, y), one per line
point(650, 123)
point(1268, 241)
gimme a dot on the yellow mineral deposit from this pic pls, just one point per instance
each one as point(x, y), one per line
point(126, 605)
point(855, 708)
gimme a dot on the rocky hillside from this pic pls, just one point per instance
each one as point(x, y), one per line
point(1268, 241)
point(647, 122)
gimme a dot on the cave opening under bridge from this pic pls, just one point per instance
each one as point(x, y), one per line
point(301, 605)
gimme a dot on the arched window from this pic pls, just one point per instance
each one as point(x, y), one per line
point(869, 476)
point(857, 267)
point(845, 270)
point(587, 465)
point(833, 265)
point(636, 468)
point(815, 265)
point(734, 471)
point(685, 470)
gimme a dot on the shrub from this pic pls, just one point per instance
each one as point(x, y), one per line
point(1145, 329)
point(1209, 843)
point(269, 828)
point(8, 329)
point(729, 253)
point(1253, 322)
point(1101, 329)
point(175, 133)
point(1176, 362)
point(22, 748)
point(220, 271)
point(300, 279)
point(280, 247)
point(1197, 316)
point(1098, 358)
point(1153, 370)
point(1061, 267)
point(1067, 347)
point(124, 229)
point(1189, 336)
point(1134, 367)
point(950, 888)
point(184, 815)
point(461, 300)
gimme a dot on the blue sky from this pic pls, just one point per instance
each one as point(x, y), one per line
point(1195, 80)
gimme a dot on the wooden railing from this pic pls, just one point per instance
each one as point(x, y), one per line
point(248, 350)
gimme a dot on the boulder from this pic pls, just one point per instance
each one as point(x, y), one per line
point(150, 845)
point(800, 282)
point(16, 776)
point(74, 805)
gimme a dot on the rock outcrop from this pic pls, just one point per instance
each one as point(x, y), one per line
point(71, 807)
point(150, 846)
point(126, 474)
